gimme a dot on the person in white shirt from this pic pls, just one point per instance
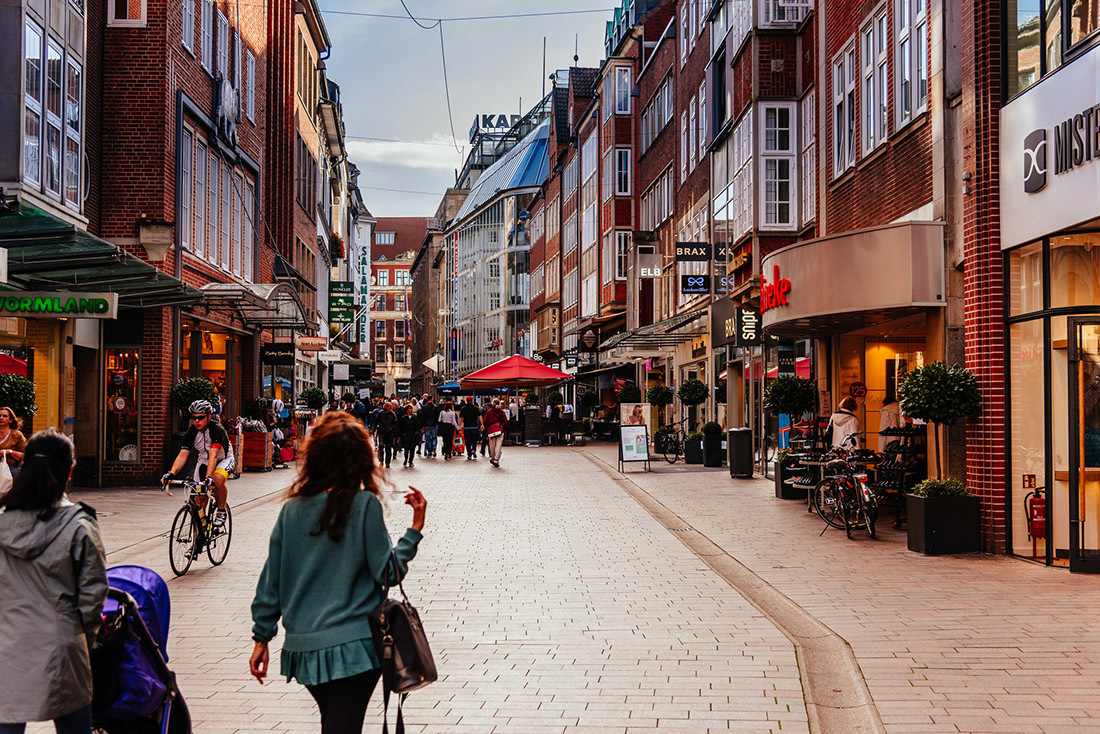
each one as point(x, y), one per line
point(889, 416)
point(844, 422)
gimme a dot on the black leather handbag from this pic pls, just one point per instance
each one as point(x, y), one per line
point(402, 648)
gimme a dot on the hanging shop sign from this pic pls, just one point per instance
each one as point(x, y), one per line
point(694, 284)
point(277, 354)
point(340, 315)
point(649, 266)
point(723, 322)
point(341, 287)
point(330, 355)
point(692, 252)
point(774, 294)
point(311, 343)
point(588, 340)
point(698, 348)
point(1050, 146)
point(59, 304)
point(571, 359)
point(747, 327)
point(721, 252)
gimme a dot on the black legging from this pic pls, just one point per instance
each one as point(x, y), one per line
point(447, 438)
point(343, 702)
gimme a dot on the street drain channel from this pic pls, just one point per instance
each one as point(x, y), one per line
point(833, 686)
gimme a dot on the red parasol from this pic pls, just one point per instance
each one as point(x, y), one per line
point(515, 372)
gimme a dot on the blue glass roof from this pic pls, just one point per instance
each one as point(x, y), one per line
point(525, 166)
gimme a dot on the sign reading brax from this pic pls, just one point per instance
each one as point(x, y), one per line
point(55, 305)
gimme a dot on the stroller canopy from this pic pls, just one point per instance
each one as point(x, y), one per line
point(151, 594)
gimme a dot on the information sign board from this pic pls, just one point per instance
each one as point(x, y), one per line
point(633, 444)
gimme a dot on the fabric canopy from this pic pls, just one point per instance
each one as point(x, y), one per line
point(453, 388)
point(515, 371)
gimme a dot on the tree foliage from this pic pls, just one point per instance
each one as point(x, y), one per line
point(190, 389)
point(17, 393)
point(315, 398)
point(630, 394)
point(553, 398)
point(790, 395)
point(692, 392)
point(940, 394)
point(659, 395)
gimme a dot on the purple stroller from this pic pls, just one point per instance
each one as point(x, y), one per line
point(134, 692)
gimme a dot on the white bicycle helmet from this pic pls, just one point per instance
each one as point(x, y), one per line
point(201, 407)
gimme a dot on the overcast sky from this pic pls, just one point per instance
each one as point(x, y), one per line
point(391, 82)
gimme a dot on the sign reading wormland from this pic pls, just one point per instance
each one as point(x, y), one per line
point(58, 304)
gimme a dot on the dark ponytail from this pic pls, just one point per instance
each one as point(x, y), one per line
point(40, 485)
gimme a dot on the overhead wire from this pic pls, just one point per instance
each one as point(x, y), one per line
point(469, 17)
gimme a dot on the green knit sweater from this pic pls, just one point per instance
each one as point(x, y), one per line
point(323, 589)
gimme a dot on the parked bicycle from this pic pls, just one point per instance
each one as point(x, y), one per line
point(671, 440)
point(843, 498)
point(194, 529)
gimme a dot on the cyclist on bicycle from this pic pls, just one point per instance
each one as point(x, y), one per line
point(208, 440)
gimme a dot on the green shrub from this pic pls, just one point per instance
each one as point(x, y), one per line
point(941, 488)
point(553, 398)
point(17, 393)
point(590, 399)
point(695, 436)
point(315, 397)
point(190, 389)
point(659, 395)
point(712, 428)
point(692, 392)
point(790, 395)
point(630, 394)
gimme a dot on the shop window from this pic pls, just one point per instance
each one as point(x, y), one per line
point(123, 376)
point(874, 42)
point(911, 59)
point(1027, 398)
point(844, 110)
point(1025, 279)
point(1074, 265)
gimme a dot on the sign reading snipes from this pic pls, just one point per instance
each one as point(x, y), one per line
point(54, 305)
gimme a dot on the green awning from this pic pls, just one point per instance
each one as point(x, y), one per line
point(49, 254)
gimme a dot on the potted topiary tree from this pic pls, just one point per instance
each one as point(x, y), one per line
point(791, 396)
point(659, 396)
point(693, 448)
point(712, 444)
point(314, 397)
point(692, 393)
point(190, 389)
point(553, 398)
point(630, 394)
point(941, 516)
point(17, 393)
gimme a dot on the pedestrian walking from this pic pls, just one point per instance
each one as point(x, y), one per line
point(328, 556)
point(843, 423)
point(484, 429)
point(471, 427)
point(387, 432)
point(429, 424)
point(496, 421)
point(408, 432)
point(448, 425)
point(12, 441)
point(53, 583)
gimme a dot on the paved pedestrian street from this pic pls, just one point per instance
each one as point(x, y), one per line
point(562, 596)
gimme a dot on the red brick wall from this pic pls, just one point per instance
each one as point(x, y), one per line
point(777, 65)
point(983, 302)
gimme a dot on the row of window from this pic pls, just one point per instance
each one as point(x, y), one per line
point(400, 276)
point(910, 80)
point(398, 302)
point(617, 86)
point(400, 354)
point(52, 117)
point(226, 49)
point(616, 250)
point(216, 209)
point(657, 201)
point(657, 113)
point(692, 20)
point(400, 328)
point(305, 176)
point(693, 143)
point(384, 238)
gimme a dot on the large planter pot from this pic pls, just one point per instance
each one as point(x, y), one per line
point(942, 525)
point(712, 449)
point(783, 472)
point(693, 451)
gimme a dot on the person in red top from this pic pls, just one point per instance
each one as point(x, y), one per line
point(496, 422)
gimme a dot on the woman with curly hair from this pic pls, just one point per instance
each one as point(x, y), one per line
point(328, 557)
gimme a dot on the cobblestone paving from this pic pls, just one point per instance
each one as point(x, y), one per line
point(553, 601)
point(978, 644)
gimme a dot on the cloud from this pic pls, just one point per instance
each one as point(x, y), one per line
point(437, 153)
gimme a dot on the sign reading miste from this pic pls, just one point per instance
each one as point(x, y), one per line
point(52, 305)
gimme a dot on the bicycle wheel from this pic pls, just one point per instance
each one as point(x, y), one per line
point(827, 502)
point(769, 449)
point(870, 515)
point(851, 516)
point(672, 449)
point(217, 544)
point(183, 541)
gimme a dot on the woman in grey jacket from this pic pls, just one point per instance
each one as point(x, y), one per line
point(52, 587)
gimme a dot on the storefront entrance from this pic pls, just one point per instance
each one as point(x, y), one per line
point(1084, 426)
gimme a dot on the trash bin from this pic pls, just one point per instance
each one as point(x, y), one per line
point(739, 446)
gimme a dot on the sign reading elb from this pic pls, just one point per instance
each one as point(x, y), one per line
point(55, 305)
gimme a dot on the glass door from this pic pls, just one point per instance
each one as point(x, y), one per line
point(1084, 429)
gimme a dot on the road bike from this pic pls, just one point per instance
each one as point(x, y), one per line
point(670, 441)
point(843, 498)
point(194, 529)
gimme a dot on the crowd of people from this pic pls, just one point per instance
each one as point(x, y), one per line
point(412, 427)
